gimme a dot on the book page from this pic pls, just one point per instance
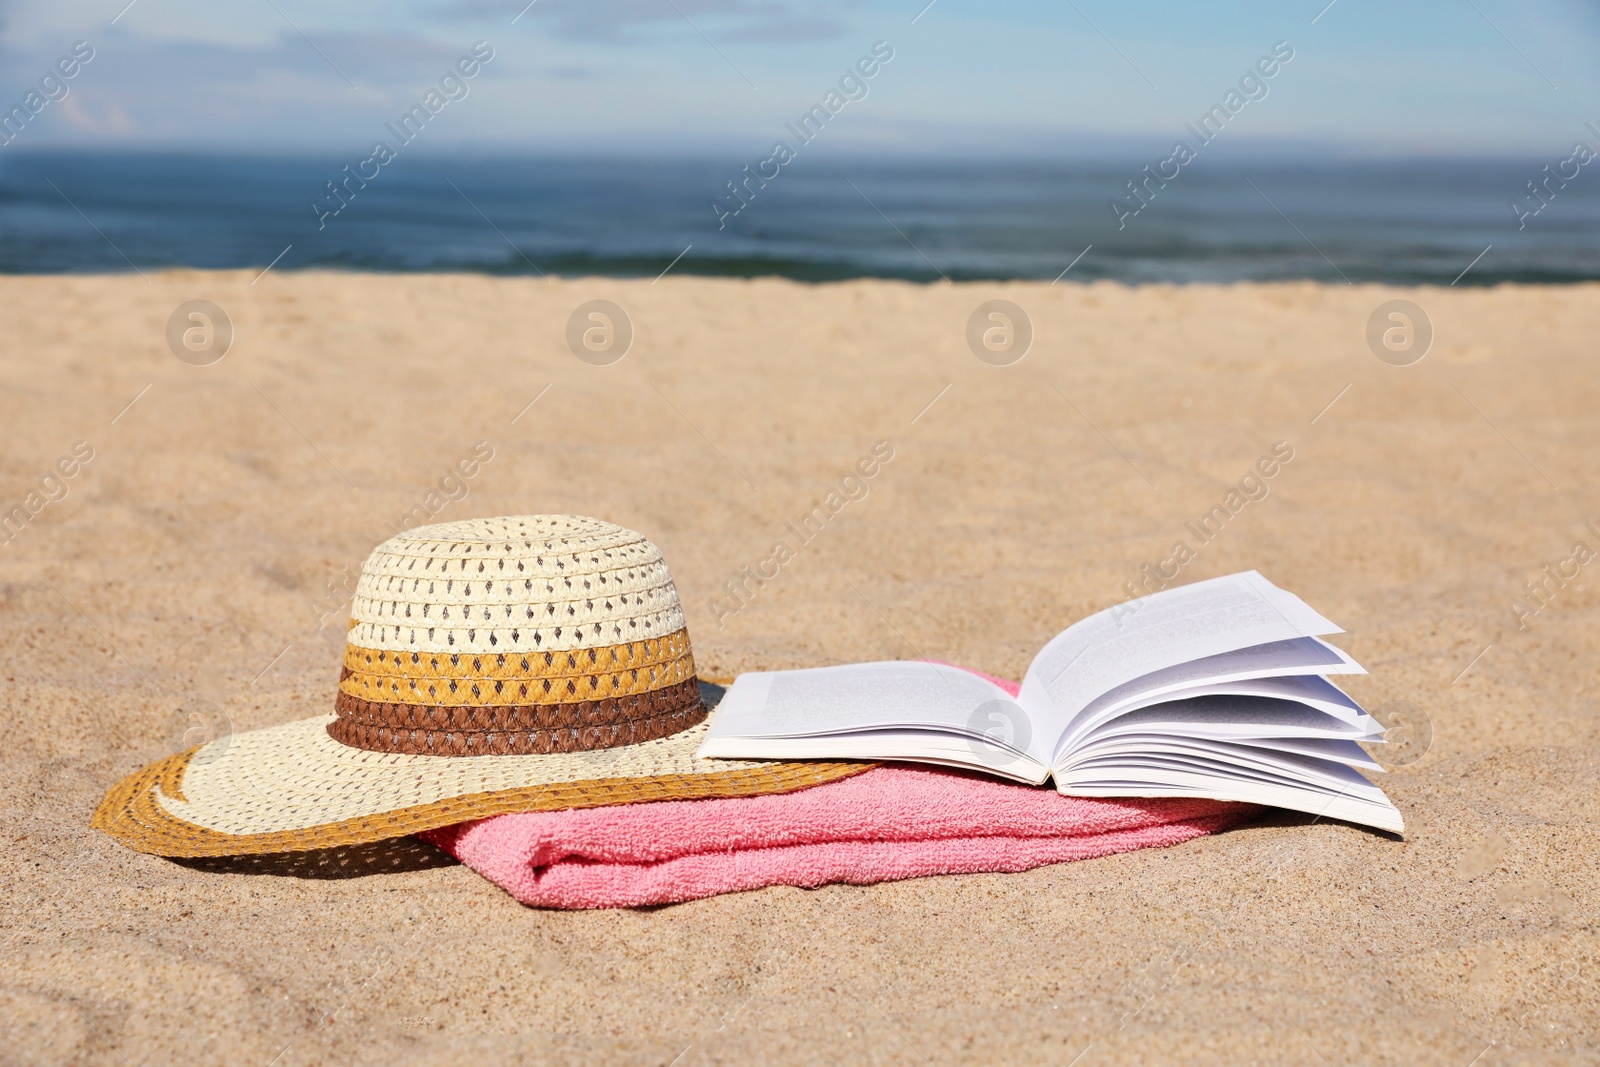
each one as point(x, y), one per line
point(1278, 660)
point(1228, 716)
point(1135, 746)
point(1327, 748)
point(889, 710)
point(1337, 792)
point(915, 745)
point(1283, 669)
point(853, 696)
point(1149, 750)
point(1311, 689)
point(1177, 626)
point(1223, 761)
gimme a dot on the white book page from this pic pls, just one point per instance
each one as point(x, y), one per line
point(1134, 745)
point(1328, 748)
point(1280, 659)
point(1310, 689)
point(1186, 781)
point(1217, 772)
point(921, 746)
point(1225, 716)
point(1288, 669)
point(1222, 757)
point(1112, 648)
point(862, 698)
point(1215, 776)
point(854, 696)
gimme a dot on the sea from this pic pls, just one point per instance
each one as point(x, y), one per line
point(1408, 221)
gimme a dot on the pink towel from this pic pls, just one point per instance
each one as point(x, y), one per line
point(891, 822)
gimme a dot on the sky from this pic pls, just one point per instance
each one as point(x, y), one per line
point(1003, 78)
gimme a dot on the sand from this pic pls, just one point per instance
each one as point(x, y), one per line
point(203, 555)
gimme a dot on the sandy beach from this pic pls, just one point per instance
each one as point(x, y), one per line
point(200, 560)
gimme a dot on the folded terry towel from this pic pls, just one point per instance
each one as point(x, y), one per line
point(891, 822)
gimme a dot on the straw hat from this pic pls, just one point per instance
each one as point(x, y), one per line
point(528, 663)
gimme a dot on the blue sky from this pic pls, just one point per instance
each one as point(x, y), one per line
point(652, 77)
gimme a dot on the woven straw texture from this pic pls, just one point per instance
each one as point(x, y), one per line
point(529, 663)
point(507, 731)
point(151, 810)
point(533, 583)
point(450, 679)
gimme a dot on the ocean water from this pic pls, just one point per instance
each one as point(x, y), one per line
point(1404, 222)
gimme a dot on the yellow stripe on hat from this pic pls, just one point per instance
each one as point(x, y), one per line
point(513, 678)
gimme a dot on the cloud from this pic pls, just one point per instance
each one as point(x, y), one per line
point(631, 21)
point(789, 28)
point(158, 91)
point(380, 60)
point(112, 120)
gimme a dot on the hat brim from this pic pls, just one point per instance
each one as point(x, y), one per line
point(293, 788)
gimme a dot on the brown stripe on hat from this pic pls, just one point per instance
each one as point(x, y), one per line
point(513, 729)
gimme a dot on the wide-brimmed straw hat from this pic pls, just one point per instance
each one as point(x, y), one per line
point(529, 663)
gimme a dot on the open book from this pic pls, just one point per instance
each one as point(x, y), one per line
point(1217, 689)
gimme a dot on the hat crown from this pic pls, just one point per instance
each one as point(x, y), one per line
point(521, 583)
point(557, 537)
point(530, 633)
